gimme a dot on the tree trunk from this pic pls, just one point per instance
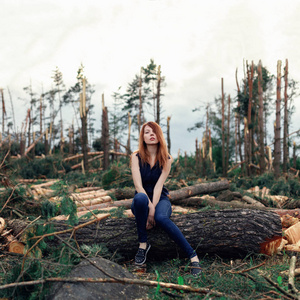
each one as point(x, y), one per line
point(294, 155)
point(168, 134)
point(223, 131)
point(140, 102)
point(158, 96)
point(228, 233)
point(261, 120)
point(105, 135)
point(129, 131)
point(285, 125)
point(201, 188)
point(238, 124)
point(277, 148)
point(228, 135)
point(3, 112)
point(249, 121)
point(83, 116)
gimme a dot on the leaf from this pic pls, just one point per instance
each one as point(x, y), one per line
point(180, 282)
point(158, 285)
point(279, 280)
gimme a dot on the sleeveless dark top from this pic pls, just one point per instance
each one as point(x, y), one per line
point(149, 178)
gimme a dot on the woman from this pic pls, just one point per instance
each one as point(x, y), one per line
point(150, 167)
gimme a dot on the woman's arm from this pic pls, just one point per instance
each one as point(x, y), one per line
point(137, 180)
point(159, 184)
point(136, 174)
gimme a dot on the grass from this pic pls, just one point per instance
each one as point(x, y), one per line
point(223, 275)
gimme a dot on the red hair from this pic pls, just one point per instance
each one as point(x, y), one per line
point(162, 154)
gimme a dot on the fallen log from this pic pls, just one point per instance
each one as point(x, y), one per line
point(230, 233)
point(197, 189)
point(210, 201)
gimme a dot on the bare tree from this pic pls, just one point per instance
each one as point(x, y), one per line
point(105, 135)
point(261, 120)
point(158, 96)
point(223, 130)
point(277, 146)
point(285, 120)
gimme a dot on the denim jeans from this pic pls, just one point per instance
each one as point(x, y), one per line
point(163, 211)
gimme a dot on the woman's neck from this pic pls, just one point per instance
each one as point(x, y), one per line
point(152, 150)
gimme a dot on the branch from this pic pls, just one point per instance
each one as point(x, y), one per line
point(179, 287)
point(280, 289)
point(291, 283)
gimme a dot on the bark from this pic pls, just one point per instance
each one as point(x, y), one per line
point(207, 201)
point(285, 121)
point(231, 233)
point(277, 148)
point(223, 131)
point(261, 120)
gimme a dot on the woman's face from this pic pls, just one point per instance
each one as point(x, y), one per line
point(149, 136)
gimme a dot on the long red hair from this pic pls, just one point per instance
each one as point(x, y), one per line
point(162, 154)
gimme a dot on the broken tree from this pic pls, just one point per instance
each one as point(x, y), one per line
point(233, 233)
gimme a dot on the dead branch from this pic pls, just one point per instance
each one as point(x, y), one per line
point(174, 286)
point(276, 285)
point(4, 158)
point(247, 270)
point(12, 192)
point(291, 284)
point(72, 230)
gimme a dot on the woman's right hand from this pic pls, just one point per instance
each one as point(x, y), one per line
point(150, 221)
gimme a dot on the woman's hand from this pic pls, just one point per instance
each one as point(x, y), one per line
point(150, 221)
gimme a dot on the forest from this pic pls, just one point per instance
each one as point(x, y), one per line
point(66, 193)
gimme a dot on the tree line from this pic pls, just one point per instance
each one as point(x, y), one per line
point(235, 132)
point(242, 124)
point(43, 132)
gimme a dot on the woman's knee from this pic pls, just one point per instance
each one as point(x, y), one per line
point(160, 218)
point(140, 199)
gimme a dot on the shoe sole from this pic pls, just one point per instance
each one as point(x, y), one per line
point(141, 263)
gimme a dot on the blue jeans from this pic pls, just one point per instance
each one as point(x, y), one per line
point(163, 211)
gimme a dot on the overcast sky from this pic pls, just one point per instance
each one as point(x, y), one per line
point(195, 42)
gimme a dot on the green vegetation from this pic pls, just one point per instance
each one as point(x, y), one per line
point(242, 278)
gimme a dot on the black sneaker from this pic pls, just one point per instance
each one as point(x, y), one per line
point(141, 255)
point(196, 269)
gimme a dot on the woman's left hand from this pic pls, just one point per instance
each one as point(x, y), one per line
point(150, 221)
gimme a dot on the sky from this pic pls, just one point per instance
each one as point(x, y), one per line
point(196, 43)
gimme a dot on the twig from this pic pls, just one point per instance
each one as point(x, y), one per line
point(278, 287)
point(12, 192)
point(291, 284)
point(4, 158)
point(174, 286)
point(72, 230)
point(89, 260)
point(247, 270)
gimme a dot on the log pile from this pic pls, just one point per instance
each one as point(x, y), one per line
point(197, 225)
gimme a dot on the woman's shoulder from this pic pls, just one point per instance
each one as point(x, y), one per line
point(135, 155)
